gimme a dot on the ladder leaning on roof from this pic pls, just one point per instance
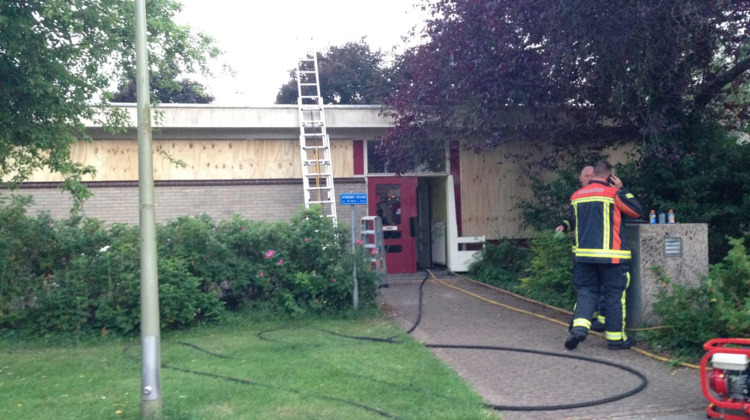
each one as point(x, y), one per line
point(315, 147)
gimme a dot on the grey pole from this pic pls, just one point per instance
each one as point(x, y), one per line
point(151, 402)
point(355, 292)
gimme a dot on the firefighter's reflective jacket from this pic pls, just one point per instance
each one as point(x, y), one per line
point(596, 216)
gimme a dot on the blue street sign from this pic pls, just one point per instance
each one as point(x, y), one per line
point(352, 198)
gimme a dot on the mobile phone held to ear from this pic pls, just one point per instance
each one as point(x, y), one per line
point(611, 180)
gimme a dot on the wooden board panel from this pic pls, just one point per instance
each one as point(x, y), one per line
point(117, 160)
point(491, 186)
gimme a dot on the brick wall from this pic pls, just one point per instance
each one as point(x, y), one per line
point(269, 200)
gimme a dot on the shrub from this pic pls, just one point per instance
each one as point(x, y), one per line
point(729, 284)
point(718, 307)
point(701, 172)
point(551, 196)
point(501, 264)
point(550, 275)
point(689, 316)
point(543, 272)
point(182, 303)
point(78, 275)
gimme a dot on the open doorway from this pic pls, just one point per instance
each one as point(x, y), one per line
point(413, 211)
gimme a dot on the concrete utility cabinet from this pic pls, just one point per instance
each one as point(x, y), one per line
point(681, 250)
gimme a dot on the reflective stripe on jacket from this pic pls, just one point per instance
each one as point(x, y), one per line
point(596, 215)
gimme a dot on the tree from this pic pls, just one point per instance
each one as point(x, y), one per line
point(58, 58)
point(566, 72)
point(165, 88)
point(348, 74)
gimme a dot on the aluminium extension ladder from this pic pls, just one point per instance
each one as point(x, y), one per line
point(315, 147)
point(371, 235)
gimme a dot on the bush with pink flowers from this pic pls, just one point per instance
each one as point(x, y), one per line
point(79, 275)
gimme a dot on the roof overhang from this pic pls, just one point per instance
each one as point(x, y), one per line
point(191, 121)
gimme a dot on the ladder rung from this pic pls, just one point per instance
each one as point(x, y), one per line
point(312, 130)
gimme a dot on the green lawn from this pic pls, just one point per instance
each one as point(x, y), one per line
point(292, 371)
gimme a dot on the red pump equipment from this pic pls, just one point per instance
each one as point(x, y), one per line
point(725, 378)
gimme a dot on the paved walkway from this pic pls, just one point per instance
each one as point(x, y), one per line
point(451, 316)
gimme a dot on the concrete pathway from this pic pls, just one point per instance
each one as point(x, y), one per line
point(451, 316)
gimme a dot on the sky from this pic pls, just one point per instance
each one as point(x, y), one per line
point(263, 40)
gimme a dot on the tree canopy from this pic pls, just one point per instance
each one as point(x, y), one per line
point(58, 58)
point(348, 74)
point(166, 87)
point(570, 72)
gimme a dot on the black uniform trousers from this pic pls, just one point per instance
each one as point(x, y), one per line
point(594, 279)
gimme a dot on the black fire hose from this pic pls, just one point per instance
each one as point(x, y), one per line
point(497, 407)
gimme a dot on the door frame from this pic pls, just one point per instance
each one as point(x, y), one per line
point(399, 227)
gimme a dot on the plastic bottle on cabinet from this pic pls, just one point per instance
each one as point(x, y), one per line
point(662, 218)
point(652, 217)
point(670, 217)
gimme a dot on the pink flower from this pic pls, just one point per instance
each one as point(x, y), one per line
point(334, 280)
point(307, 239)
point(373, 251)
point(244, 229)
point(359, 241)
point(316, 300)
point(280, 262)
point(270, 253)
point(260, 274)
point(64, 259)
point(313, 274)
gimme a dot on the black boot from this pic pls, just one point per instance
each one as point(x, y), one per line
point(576, 336)
point(621, 344)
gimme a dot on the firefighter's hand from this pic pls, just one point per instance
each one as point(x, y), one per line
point(560, 228)
point(615, 181)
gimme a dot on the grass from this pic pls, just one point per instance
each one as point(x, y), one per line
point(293, 370)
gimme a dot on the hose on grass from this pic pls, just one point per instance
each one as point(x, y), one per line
point(260, 384)
point(393, 340)
point(498, 407)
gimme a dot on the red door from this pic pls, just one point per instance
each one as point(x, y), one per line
point(394, 199)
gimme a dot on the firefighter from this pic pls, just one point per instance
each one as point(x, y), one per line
point(602, 255)
point(587, 173)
